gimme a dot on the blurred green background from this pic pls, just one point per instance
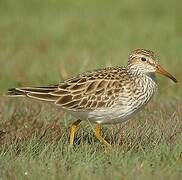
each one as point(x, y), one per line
point(43, 42)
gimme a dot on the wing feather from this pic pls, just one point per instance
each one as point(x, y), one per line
point(87, 91)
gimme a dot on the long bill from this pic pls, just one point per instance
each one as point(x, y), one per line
point(162, 71)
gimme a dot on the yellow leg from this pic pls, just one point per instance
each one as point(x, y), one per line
point(73, 129)
point(98, 135)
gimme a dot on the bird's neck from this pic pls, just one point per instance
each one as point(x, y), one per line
point(133, 71)
point(152, 76)
point(145, 82)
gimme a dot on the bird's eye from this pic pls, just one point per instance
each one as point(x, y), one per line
point(143, 59)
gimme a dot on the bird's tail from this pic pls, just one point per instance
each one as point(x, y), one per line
point(40, 93)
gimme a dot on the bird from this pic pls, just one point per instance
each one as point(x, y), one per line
point(108, 95)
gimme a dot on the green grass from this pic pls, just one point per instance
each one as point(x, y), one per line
point(44, 42)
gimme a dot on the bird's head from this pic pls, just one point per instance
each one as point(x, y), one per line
point(145, 62)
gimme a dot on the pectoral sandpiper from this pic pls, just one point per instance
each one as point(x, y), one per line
point(104, 96)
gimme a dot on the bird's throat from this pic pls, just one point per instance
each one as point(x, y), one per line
point(152, 76)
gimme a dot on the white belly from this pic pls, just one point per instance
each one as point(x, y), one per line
point(117, 114)
point(107, 115)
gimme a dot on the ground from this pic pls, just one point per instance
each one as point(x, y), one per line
point(44, 42)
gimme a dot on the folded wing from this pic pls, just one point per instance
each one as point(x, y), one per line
point(87, 91)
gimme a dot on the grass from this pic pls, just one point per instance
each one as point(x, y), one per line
point(45, 42)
